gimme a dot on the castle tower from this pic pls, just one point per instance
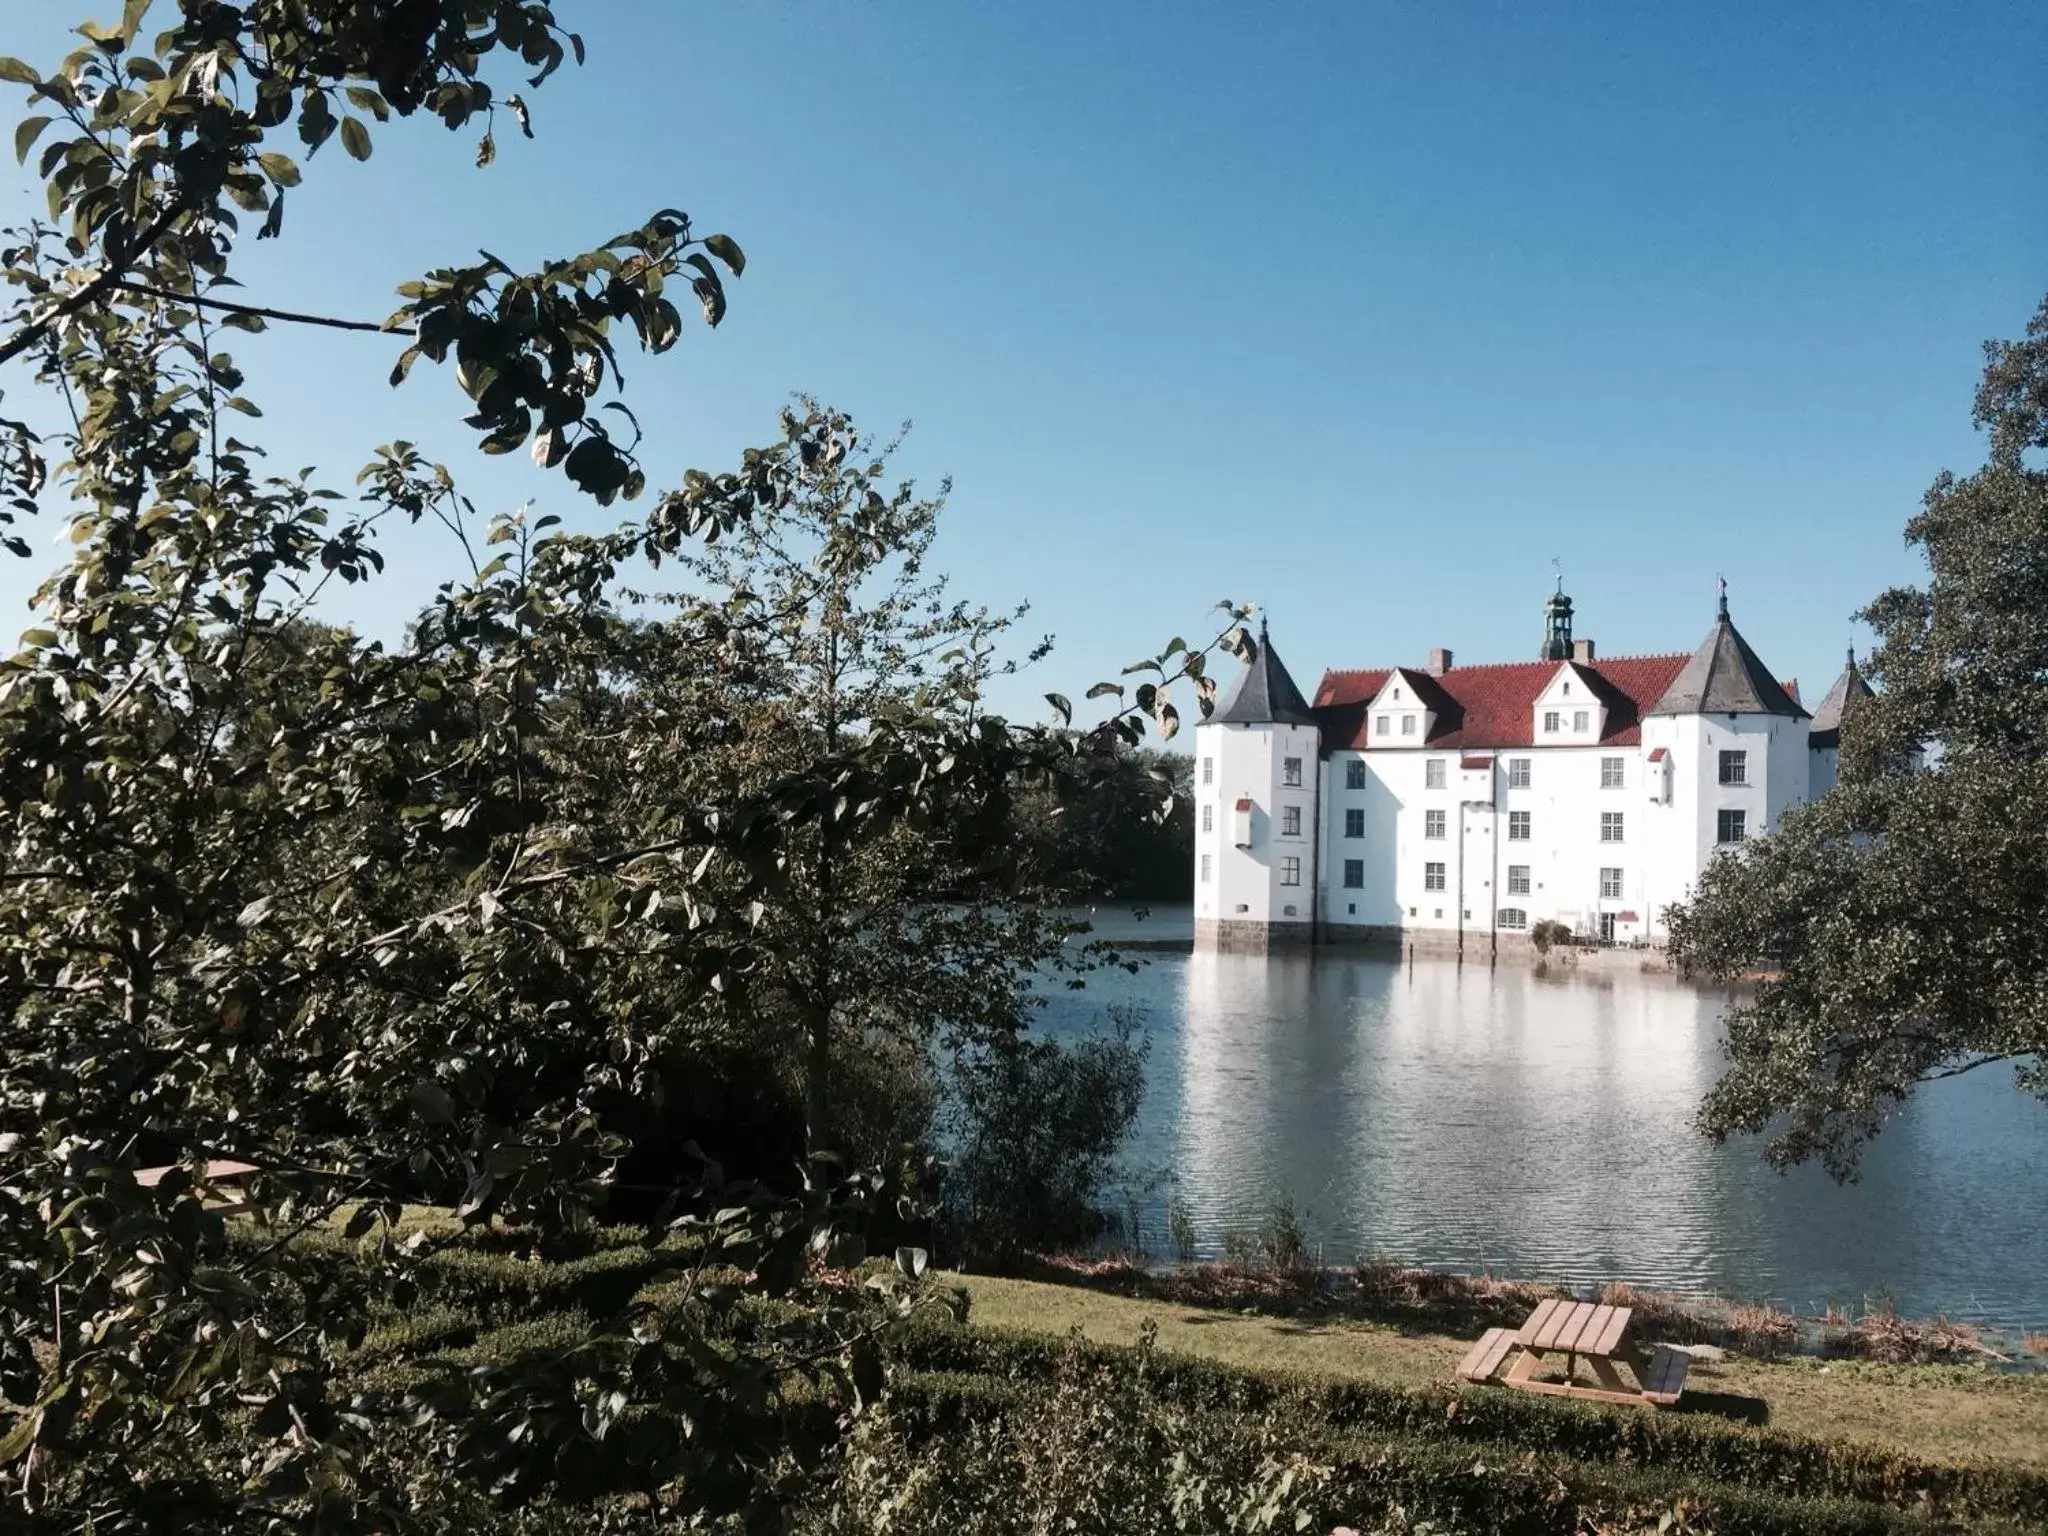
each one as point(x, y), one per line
point(1824, 740)
point(1725, 752)
point(1258, 795)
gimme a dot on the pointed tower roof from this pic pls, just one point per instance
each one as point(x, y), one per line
point(1263, 694)
point(1725, 677)
point(1827, 720)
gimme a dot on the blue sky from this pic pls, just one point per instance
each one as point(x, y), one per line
point(1364, 312)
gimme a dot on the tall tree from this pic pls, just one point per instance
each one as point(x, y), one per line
point(1899, 917)
point(273, 893)
point(828, 634)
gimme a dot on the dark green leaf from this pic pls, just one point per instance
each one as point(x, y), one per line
point(727, 250)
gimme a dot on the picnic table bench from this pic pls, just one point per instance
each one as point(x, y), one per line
point(1578, 1330)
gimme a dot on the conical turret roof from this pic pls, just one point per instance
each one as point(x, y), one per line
point(1263, 694)
point(1725, 677)
point(1827, 720)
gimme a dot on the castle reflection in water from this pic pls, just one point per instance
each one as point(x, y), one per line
point(1542, 1125)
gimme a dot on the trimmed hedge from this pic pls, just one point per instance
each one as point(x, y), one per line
point(1689, 1444)
point(1437, 1480)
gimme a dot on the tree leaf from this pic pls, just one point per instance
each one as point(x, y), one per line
point(1060, 702)
point(26, 132)
point(18, 72)
point(431, 1102)
point(727, 250)
point(281, 169)
point(355, 138)
point(1101, 690)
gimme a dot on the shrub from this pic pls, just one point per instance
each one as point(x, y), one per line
point(1180, 1226)
point(1283, 1240)
point(1033, 1127)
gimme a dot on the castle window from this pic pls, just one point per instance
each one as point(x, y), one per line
point(1433, 773)
point(1290, 871)
point(1518, 773)
point(1610, 884)
point(1208, 867)
point(1518, 826)
point(1731, 826)
point(1407, 725)
point(1432, 877)
point(1290, 821)
point(1208, 770)
point(1354, 874)
point(1610, 826)
point(1610, 772)
point(1432, 823)
point(1208, 818)
point(1354, 773)
point(1734, 767)
point(1581, 720)
point(1354, 822)
point(1290, 772)
point(1518, 879)
point(1550, 722)
point(1512, 917)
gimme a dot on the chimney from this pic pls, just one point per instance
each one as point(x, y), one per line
point(1439, 661)
point(1582, 650)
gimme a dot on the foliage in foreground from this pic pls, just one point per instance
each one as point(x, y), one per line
point(374, 918)
point(1901, 912)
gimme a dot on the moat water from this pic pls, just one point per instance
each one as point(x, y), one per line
point(1474, 1117)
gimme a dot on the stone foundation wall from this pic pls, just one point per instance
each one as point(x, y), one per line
point(1230, 937)
point(1480, 945)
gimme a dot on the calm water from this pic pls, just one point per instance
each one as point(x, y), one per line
point(1464, 1118)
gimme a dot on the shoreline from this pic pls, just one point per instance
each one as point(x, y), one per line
point(1386, 1292)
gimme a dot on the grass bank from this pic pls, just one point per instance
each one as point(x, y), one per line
point(1967, 1415)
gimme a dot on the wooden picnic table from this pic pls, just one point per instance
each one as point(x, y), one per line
point(1578, 1330)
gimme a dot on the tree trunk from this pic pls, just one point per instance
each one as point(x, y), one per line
point(817, 1081)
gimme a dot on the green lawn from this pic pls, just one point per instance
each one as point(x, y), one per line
point(1963, 1415)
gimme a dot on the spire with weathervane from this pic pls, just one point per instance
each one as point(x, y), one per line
point(1725, 677)
point(1557, 623)
point(1263, 693)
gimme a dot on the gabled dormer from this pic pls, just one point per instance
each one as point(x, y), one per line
point(1410, 709)
point(1571, 711)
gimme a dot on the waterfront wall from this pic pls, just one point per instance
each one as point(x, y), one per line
point(1229, 937)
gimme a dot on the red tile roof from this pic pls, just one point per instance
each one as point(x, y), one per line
point(1495, 705)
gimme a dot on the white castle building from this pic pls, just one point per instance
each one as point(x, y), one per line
point(1459, 806)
